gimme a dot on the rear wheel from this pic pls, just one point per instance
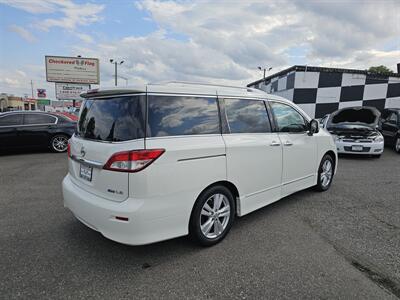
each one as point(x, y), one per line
point(212, 216)
point(59, 143)
point(325, 173)
point(397, 144)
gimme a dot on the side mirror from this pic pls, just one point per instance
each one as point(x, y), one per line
point(313, 127)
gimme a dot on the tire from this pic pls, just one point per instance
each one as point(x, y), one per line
point(206, 227)
point(59, 143)
point(397, 144)
point(325, 174)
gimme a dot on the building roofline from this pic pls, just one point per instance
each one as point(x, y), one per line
point(322, 69)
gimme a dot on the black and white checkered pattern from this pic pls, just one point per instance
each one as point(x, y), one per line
point(319, 91)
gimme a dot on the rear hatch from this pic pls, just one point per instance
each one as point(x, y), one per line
point(106, 126)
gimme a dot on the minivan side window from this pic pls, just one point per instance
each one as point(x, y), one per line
point(182, 115)
point(11, 120)
point(247, 116)
point(287, 118)
point(36, 119)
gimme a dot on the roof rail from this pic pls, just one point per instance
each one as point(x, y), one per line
point(201, 83)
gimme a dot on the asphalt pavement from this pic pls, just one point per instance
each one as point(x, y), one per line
point(344, 243)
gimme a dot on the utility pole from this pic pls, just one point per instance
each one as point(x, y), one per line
point(32, 88)
point(116, 63)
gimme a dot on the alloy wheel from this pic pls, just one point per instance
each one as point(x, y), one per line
point(60, 143)
point(214, 216)
point(397, 145)
point(326, 174)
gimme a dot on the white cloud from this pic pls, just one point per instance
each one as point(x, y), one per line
point(33, 6)
point(22, 32)
point(225, 41)
point(18, 82)
point(85, 37)
point(75, 15)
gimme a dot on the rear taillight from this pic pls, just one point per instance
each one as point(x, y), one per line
point(69, 149)
point(132, 161)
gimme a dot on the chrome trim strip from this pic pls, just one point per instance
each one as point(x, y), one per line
point(90, 163)
point(201, 157)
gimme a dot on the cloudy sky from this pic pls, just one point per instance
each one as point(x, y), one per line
point(217, 41)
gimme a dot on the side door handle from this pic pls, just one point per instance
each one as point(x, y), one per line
point(288, 143)
point(275, 143)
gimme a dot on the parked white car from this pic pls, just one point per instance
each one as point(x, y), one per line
point(355, 130)
point(167, 160)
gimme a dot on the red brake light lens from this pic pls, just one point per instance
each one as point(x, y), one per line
point(132, 161)
point(69, 149)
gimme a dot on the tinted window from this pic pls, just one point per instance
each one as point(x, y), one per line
point(247, 116)
point(287, 118)
point(182, 115)
point(113, 119)
point(392, 118)
point(31, 119)
point(11, 120)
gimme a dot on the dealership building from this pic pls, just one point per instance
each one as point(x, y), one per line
point(320, 91)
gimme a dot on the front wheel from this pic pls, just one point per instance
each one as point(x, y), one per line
point(212, 216)
point(325, 173)
point(59, 143)
point(397, 145)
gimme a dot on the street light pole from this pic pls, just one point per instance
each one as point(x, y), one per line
point(115, 73)
point(264, 71)
point(116, 63)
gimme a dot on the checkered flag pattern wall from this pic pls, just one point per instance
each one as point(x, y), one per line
point(319, 92)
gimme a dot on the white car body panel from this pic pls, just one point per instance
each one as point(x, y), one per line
point(368, 148)
point(298, 173)
point(254, 166)
point(158, 200)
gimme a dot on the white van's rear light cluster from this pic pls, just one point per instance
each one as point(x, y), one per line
point(132, 161)
point(69, 149)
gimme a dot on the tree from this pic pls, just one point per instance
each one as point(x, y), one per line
point(380, 70)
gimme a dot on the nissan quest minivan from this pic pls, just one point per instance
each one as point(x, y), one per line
point(172, 159)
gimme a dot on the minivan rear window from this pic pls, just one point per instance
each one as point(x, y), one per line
point(112, 119)
point(182, 115)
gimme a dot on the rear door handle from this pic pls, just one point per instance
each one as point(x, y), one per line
point(275, 143)
point(288, 143)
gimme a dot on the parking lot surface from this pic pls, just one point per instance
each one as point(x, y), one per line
point(344, 243)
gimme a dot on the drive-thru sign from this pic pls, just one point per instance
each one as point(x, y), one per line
point(72, 69)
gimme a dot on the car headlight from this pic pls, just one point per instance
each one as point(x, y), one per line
point(336, 137)
point(378, 139)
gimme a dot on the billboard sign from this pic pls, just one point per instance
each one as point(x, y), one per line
point(70, 91)
point(72, 69)
point(41, 93)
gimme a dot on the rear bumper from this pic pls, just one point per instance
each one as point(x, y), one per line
point(374, 148)
point(143, 226)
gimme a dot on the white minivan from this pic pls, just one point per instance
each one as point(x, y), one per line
point(172, 159)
